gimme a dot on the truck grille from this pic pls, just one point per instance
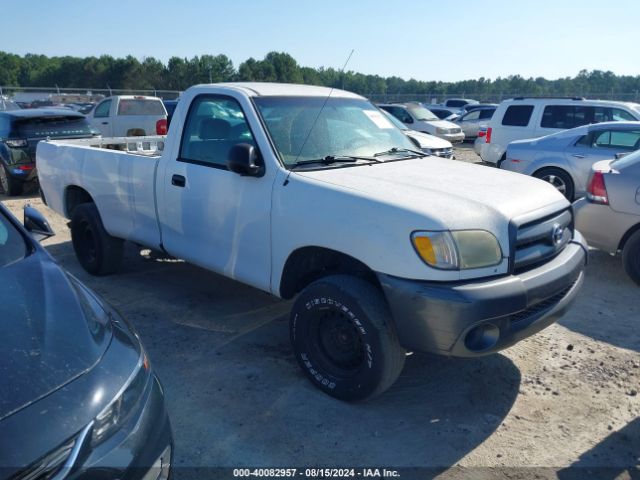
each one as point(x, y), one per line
point(539, 241)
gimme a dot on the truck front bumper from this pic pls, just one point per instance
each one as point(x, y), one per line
point(466, 319)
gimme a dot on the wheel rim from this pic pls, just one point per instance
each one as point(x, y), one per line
point(4, 181)
point(557, 182)
point(337, 342)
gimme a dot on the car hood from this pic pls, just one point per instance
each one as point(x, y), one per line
point(427, 141)
point(454, 195)
point(440, 123)
point(48, 339)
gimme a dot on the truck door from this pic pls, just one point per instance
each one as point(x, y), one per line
point(100, 118)
point(211, 216)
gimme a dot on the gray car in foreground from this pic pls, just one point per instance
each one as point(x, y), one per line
point(609, 216)
point(78, 396)
point(564, 159)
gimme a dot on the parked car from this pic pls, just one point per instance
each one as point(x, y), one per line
point(532, 117)
point(443, 113)
point(129, 115)
point(564, 159)
point(6, 104)
point(458, 102)
point(20, 132)
point(471, 122)
point(78, 396)
point(311, 193)
point(418, 118)
point(472, 106)
point(429, 144)
point(610, 213)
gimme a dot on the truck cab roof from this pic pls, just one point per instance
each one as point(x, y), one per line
point(265, 89)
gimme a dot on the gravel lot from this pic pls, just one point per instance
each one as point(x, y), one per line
point(565, 397)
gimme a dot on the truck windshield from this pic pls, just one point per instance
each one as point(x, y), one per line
point(302, 130)
point(12, 245)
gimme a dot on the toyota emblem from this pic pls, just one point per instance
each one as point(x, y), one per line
point(557, 234)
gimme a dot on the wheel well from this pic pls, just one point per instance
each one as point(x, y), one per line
point(626, 236)
point(74, 196)
point(308, 264)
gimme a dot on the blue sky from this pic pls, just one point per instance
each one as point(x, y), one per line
point(426, 40)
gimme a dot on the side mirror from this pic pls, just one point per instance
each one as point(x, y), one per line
point(244, 160)
point(407, 120)
point(36, 224)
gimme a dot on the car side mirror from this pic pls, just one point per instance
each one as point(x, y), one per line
point(408, 120)
point(244, 160)
point(36, 224)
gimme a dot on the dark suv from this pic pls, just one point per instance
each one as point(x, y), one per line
point(20, 132)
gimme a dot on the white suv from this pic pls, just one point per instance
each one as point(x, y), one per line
point(532, 117)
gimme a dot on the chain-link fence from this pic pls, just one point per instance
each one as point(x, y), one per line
point(55, 95)
point(433, 98)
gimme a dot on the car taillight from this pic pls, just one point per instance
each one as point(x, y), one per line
point(481, 133)
point(161, 127)
point(487, 137)
point(596, 189)
point(26, 168)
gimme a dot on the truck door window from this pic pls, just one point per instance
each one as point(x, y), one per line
point(102, 110)
point(213, 126)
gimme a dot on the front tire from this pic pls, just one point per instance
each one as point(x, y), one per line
point(560, 179)
point(343, 338)
point(631, 257)
point(10, 185)
point(98, 252)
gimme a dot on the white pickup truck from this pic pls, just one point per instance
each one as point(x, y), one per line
point(125, 115)
point(312, 194)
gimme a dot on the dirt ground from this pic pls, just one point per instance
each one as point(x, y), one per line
point(567, 397)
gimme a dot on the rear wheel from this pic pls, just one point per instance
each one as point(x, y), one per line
point(631, 257)
point(342, 336)
point(98, 252)
point(10, 185)
point(560, 179)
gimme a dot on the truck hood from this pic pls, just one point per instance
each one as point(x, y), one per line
point(453, 195)
point(47, 339)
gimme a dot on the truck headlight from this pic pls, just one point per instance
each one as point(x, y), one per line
point(457, 250)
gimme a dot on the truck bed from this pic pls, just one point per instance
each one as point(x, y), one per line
point(118, 173)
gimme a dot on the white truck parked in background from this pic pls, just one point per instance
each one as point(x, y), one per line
point(312, 193)
point(128, 115)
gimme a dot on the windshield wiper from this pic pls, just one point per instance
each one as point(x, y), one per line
point(396, 150)
point(330, 159)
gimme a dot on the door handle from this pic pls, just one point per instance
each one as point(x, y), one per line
point(178, 180)
point(105, 123)
point(577, 155)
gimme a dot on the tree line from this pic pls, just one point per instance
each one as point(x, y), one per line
point(106, 71)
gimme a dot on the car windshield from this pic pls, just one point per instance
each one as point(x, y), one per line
point(12, 245)
point(6, 105)
point(314, 128)
point(421, 113)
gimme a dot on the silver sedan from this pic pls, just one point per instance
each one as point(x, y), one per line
point(609, 216)
point(564, 159)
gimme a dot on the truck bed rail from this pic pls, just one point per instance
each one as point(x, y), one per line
point(149, 146)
